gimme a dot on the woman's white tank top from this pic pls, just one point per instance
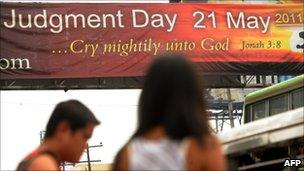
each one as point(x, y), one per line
point(164, 154)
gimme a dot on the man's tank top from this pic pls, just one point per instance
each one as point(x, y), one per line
point(164, 154)
point(25, 163)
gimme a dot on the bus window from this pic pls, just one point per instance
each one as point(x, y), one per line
point(297, 98)
point(258, 110)
point(278, 104)
point(247, 114)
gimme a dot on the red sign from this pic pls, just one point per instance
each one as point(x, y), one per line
point(120, 40)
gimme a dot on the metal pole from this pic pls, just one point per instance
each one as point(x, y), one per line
point(216, 123)
point(230, 108)
point(88, 156)
point(41, 137)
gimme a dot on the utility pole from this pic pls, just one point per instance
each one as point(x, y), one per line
point(230, 108)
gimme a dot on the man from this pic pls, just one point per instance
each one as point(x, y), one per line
point(67, 132)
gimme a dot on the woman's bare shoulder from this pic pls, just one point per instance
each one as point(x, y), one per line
point(208, 152)
point(212, 141)
point(208, 142)
point(121, 159)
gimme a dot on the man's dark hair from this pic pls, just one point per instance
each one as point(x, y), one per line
point(172, 97)
point(75, 113)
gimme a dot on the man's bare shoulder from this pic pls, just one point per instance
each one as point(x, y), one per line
point(43, 162)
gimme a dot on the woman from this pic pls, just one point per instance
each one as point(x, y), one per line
point(172, 131)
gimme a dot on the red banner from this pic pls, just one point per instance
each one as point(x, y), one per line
point(120, 40)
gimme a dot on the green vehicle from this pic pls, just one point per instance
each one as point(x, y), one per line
point(282, 97)
point(272, 132)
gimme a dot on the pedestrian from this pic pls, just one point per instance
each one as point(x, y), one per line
point(173, 131)
point(69, 128)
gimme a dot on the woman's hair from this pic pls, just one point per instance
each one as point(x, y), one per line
point(172, 97)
